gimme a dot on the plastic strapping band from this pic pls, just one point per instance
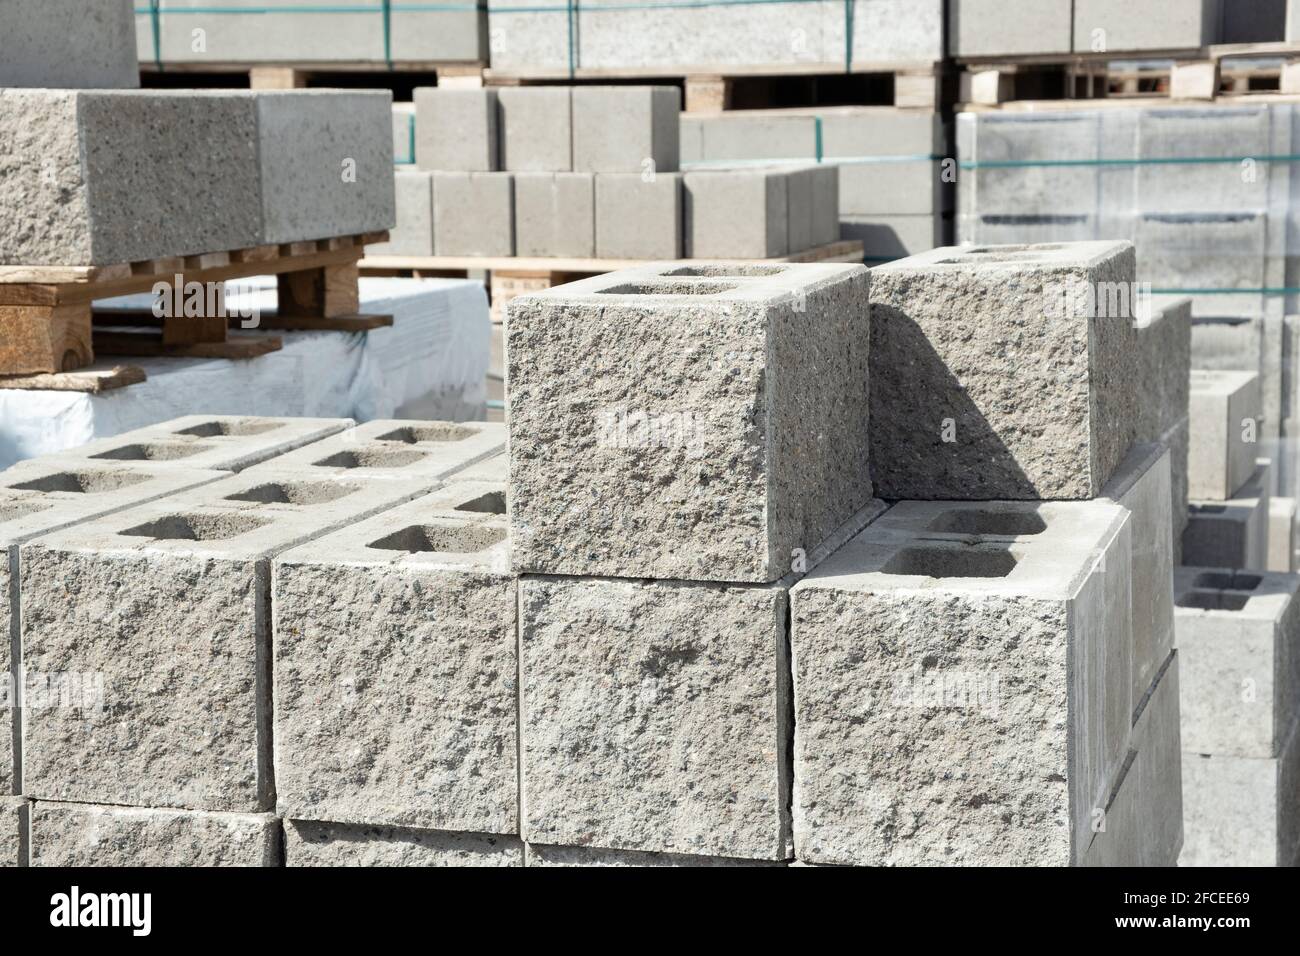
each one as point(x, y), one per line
point(410, 129)
point(572, 6)
point(388, 33)
point(817, 128)
point(155, 17)
point(848, 35)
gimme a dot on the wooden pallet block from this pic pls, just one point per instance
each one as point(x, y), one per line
point(88, 380)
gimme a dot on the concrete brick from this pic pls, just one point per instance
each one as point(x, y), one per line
point(403, 135)
point(330, 844)
point(555, 214)
point(1164, 382)
point(1232, 533)
point(636, 219)
point(269, 32)
point(1248, 344)
point(425, 451)
point(1173, 25)
point(456, 129)
point(433, 35)
point(536, 124)
point(169, 611)
point(993, 638)
point(885, 238)
point(81, 834)
point(1157, 741)
point(1242, 811)
point(886, 186)
point(1281, 534)
point(1225, 409)
point(812, 205)
point(422, 589)
point(626, 129)
point(894, 31)
point(537, 855)
point(741, 213)
point(995, 28)
point(68, 44)
point(1239, 641)
point(413, 235)
point(972, 330)
point(217, 442)
point(13, 832)
point(672, 478)
point(474, 214)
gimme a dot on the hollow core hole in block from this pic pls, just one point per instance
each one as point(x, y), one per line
point(197, 527)
point(492, 503)
point(372, 458)
point(295, 493)
point(951, 563)
point(159, 451)
point(987, 521)
point(735, 271)
point(1208, 509)
point(240, 428)
point(1213, 600)
point(82, 482)
point(1227, 581)
point(443, 539)
point(12, 511)
point(669, 288)
point(418, 434)
point(1004, 250)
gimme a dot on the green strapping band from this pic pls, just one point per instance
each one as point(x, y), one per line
point(817, 131)
point(1150, 161)
point(573, 45)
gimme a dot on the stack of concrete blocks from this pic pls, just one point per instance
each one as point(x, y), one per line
point(311, 32)
point(894, 194)
point(666, 491)
point(172, 610)
point(539, 39)
point(978, 28)
point(1229, 485)
point(68, 44)
point(1116, 26)
point(100, 177)
point(1238, 638)
point(914, 645)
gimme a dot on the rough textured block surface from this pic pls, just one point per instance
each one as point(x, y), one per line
point(331, 844)
point(474, 214)
point(741, 213)
point(626, 129)
point(68, 44)
point(555, 214)
point(638, 218)
point(426, 451)
point(993, 638)
point(80, 834)
point(424, 589)
point(714, 422)
point(538, 855)
point(167, 605)
point(536, 125)
point(1028, 394)
point(1225, 409)
point(13, 832)
point(456, 129)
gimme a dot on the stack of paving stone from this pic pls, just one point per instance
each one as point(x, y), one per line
point(893, 191)
point(589, 172)
point(148, 635)
point(1238, 637)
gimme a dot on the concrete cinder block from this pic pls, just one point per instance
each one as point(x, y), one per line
point(439, 35)
point(171, 616)
point(496, 468)
point(536, 124)
point(885, 238)
point(1225, 411)
point(1178, 439)
point(253, 31)
point(474, 214)
point(1232, 533)
point(674, 478)
point(13, 831)
point(538, 855)
point(1249, 344)
point(995, 28)
point(217, 442)
point(1242, 811)
point(991, 637)
point(424, 589)
point(413, 235)
point(639, 219)
point(555, 214)
point(972, 328)
point(456, 129)
point(1184, 251)
point(69, 44)
point(907, 31)
point(80, 834)
point(741, 213)
point(1157, 741)
point(331, 844)
point(1281, 534)
point(626, 129)
point(1239, 641)
point(425, 451)
point(1173, 25)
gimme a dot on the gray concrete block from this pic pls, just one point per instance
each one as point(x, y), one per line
point(750, 135)
point(1001, 419)
point(68, 44)
point(1242, 811)
point(403, 135)
point(737, 213)
point(1178, 439)
point(496, 468)
point(538, 855)
point(1239, 641)
point(439, 35)
point(81, 834)
point(1173, 25)
point(536, 125)
point(885, 238)
point(1158, 743)
point(897, 31)
point(423, 589)
point(457, 129)
point(1185, 251)
point(1232, 533)
point(997, 28)
point(993, 638)
point(555, 214)
point(217, 442)
point(1249, 344)
point(326, 167)
point(413, 234)
point(660, 447)
point(331, 844)
point(1281, 534)
point(884, 186)
point(474, 214)
point(425, 451)
point(331, 30)
point(639, 219)
point(1225, 411)
point(170, 614)
point(1166, 373)
point(626, 129)
point(13, 832)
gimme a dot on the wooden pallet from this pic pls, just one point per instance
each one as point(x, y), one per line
point(298, 75)
point(517, 275)
point(48, 324)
